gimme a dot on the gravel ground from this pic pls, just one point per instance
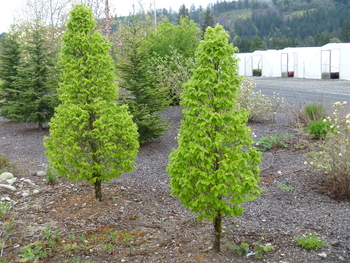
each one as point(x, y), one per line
point(274, 218)
point(334, 85)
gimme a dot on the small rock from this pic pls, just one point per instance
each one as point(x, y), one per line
point(341, 258)
point(122, 188)
point(35, 192)
point(189, 255)
point(9, 187)
point(25, 194)
point(41, 173)
point(335, 243)
point(123, 260)
point(28, 181)
point(322, 255)
point(5, 176)
point(11, 181)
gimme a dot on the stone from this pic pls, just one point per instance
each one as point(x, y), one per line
point(41, 173)
point(25, 194)
point(5, 176)
point(335, 243)
point(322, 255)
point(341, 258)
point(11, 181)
point(9, 187)
point(35, 192)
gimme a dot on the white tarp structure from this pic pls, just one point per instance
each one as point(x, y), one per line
point(260, 63)
point(335, 61)
point(330, 61)
point(301, 62)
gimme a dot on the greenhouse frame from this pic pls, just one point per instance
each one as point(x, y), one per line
point(331, 61)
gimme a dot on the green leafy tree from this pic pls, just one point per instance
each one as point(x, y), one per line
point(146, 101)
point(257, 44)
point(92, 136)
point(215, 168)
point(35, 84)
point(208, 21)
point(171, 72)
point(10, 58)
point(345, 31)
point(182, 37)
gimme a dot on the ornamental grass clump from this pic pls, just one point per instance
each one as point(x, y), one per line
point(259, 106)
point(329, 158)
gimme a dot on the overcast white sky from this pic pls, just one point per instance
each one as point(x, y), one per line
point(8, 8)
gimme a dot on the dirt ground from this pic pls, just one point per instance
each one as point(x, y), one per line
point(139, 221)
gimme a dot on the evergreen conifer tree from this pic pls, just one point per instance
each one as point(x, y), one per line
point(257, 44)
point(345, 31)
point(146, 101)
point(10, 58)
point(92, 136)
point(215, 168)
point(183, 13)
point(35, 83)
point(208, 21)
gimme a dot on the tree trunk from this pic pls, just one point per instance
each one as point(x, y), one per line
point(98, 191)
point(217, 232)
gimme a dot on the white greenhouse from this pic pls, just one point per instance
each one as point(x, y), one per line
point(332, 61)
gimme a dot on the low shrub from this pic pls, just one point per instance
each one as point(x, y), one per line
point(329, 158)
point(259, 106)
point(310, 242)
point(268, 142)
point(320, 128)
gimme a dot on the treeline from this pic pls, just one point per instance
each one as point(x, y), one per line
point(278, 23)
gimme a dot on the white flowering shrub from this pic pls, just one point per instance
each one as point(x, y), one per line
point(330, 158)
point(260, 106)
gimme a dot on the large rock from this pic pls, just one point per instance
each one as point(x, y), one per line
point(5, 176)
point(9, 187)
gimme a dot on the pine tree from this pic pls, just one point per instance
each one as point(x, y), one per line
point(34, 85)
point(92, 136)
point(208, 21)
point(146, 101)
point(257, 44)
point(345, 31)
point(10, 58)
point(215, 168)
point(183, 13)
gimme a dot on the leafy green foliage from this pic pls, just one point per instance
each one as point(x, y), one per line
point(310, 242)
point(284, 187)
point(320, 128)
point(257, 248)
point(329, 158)
point(268, 142)
point(92, 137)
point(241, 249)
point(214, 169)
point(259, 106)
point(171, 72)
point(146, 101)
point(182, 37)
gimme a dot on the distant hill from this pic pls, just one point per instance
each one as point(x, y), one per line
point(277, 23)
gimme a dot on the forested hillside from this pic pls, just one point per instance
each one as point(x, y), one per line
point(277, 23)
